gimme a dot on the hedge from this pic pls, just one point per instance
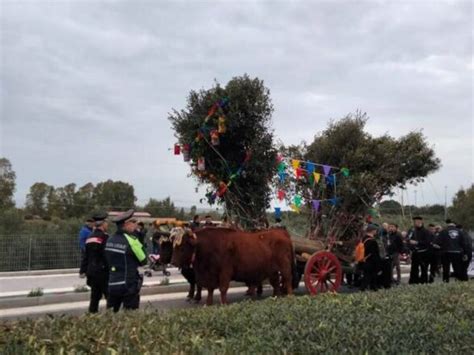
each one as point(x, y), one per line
point(435, 318)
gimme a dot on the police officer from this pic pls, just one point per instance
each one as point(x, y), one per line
point(419, 241)
point(371, 265)
point(94, 263)
point(454, 246)
point(124, 254)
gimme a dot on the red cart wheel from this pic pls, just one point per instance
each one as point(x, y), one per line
point(322, 273)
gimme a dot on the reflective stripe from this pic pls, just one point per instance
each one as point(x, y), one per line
point(94, 240)
point(116, 283)
point(113, 250)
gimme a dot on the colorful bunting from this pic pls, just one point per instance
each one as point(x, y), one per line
point(277, 212)
point(222, 189)
point(295, 163)
point(331, 180)
point(221, 125)
point(177, 149)
point(326, 169)
point(297, 201)
point(214, 137)
point(316, 204)
point(317, 176)
point(201, 164)
point(295, 208)
point(186, 152)
point(281, 194)
point(281, 167)
point(345, 172)
point(282, 176)
point(310, 168)
point(299, 172)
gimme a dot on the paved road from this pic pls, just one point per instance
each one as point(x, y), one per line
point(22, 285)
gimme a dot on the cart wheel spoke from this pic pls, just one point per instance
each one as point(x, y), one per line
point(323, 273)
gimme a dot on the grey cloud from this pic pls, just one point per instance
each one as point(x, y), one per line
point(86, 80)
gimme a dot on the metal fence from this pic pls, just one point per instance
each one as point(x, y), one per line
point(38, 252)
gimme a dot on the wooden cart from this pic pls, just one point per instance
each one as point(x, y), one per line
point(320, 268)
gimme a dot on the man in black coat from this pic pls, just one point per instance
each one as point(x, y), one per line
point(372, 262)
point(94, 263)
point(419, 241)
point(455, 249)
point(395, 248)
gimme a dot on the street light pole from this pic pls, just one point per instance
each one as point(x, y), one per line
point(416, 205)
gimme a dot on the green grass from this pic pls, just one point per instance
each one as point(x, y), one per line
point(412, 319)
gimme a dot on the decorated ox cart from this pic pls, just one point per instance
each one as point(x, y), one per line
point(320, 265)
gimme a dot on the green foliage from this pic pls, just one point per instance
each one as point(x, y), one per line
point(115, 195)
point(7, 184)
point(37, 199)
point(377, 164)
point(424, 319)
point(462, 210)
point(36, 292)
point(248, 115)
point(164, 208)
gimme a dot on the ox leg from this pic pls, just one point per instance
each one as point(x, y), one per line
point(224, 282)
point(210, 296)
point(197, 297)
point(275, 282)
point(251, 290)
point(287, 282)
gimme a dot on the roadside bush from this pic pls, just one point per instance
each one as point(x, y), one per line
point(413, 319)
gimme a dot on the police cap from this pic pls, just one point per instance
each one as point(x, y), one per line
point(125, 216)
point(99, 216)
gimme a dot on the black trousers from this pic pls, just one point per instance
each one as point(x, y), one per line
point(419, 263)
point(99, 288)
point(454, 259)
point(129, 297)
point(369, 277)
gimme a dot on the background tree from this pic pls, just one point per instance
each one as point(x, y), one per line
point(37, 199)
point(116, 195)
point(377, 165)
point(7, 184)
point(84, 200)
point(462, 210)
point(240, 166)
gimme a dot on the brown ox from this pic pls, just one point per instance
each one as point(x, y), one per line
point(220, 255)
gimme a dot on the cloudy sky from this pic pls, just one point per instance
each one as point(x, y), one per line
point(86, 86)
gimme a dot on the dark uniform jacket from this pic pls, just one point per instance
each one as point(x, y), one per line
point(452, 240)
point(94, 263)
point(422, 236)
point(124, 254)
point(395, 243)
point(371, 254)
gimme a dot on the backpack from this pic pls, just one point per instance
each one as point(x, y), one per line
point(359, 252)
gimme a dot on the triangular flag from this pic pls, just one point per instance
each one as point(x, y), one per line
point(330, 180)
point(295, 208)
point(326, 169)
point(297, 200)
point(277, 212)
point(299, 173)
point(282, 176)
point(311, 179)
point(333, 201)
point(316, 204)
point(295, 163)
point(317, 176)
point(281, 167)
point(281, 195)
point(310, 168)
point(345, 172)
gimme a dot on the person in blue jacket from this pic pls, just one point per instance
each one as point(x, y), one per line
point(84, 233)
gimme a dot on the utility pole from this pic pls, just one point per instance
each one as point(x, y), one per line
point(415, 199)
point(445, 202)
point(403, 208)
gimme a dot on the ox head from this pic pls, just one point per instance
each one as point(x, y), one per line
point(184, 245)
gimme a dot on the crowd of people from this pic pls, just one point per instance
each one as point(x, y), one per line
point(110, 263)
point(434, 252)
